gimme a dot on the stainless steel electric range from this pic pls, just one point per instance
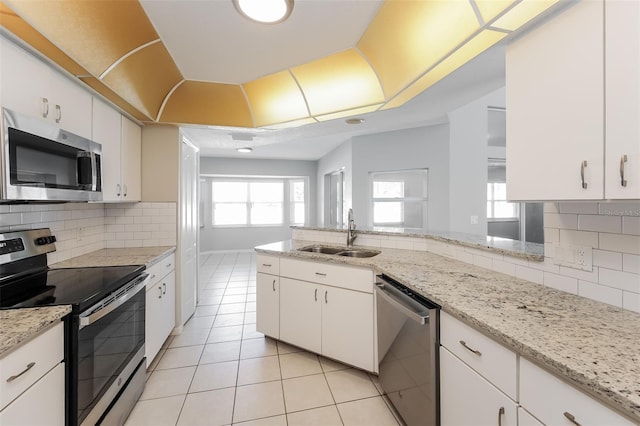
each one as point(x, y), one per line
point(104, 334)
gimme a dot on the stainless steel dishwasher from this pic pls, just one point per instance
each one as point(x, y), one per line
point(408, 340)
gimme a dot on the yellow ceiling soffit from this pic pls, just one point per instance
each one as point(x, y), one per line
point(522, 13)
point(489, 9)
point(470, 50)
point(406, 38)
point(144, 78)
point(291, 124)
point(275, 98)
point(96, 33)
point(28, 34)
point(197, 102)
point(105, 91)
point(338, 82)
point(349, 113)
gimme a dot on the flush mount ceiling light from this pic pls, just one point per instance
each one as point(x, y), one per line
point(264, 11)
point(354, 120)
point(244, 150)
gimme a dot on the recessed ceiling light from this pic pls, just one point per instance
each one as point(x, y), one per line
point(354, 120)
point(244, 150)
point(265, 11)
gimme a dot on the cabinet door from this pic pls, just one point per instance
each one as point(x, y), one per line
point(23, 81)
point(153, 322)
point(106, 131)
point(526, 419)
point(622, 50)
point(347, 326)
point(268, 305)
point(300, 313)
point(130, 157)
point(468, 399)
point(555, 114)
point(41, 404)
point(168, 321)
point(70, 105)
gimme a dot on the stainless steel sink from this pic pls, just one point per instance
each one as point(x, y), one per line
point(339, 251)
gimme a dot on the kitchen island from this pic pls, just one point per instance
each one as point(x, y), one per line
point(21, 325)
point(592, 345)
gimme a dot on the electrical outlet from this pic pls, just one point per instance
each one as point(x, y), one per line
point(576, 257)
point(474, 220)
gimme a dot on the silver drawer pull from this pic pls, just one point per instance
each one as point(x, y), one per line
point(583, 166)
point(160, 295)
point(320, 274)
point(500, 414)
point(273, 286)
point(268, 265)
point(168, 265)
point(477, 352)
point(29, 367)
point(571, 418)
point(623, 181)
point(315, 296)
point(164, 288)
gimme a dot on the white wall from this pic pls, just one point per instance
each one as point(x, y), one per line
point(417, 148)
point(468, 163)
point(246, 238)
point(339, 158)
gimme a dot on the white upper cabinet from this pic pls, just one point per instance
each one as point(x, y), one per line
point(622, 87)
point(130, 158)
point(555, 108)
point(33, 88)
point(107, 132)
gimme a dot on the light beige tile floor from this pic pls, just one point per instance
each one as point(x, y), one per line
point(221, 371)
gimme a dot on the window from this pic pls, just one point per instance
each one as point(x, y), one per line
point(497, 205)
point(257, 201)
point(399, 199)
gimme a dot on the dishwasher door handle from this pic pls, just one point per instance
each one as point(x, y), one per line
point(398, 303)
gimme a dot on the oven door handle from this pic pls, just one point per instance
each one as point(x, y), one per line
point(139, 284)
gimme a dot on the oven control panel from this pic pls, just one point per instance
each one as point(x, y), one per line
point(11, 246)
point(41, 241)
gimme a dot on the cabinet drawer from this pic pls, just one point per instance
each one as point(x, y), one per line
point(42, 352)
point(268, 264)
point(347, 277)
point(160, 269)
point(549, 398)
point(493, 361)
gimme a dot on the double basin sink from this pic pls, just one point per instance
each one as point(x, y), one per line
point(340, 251)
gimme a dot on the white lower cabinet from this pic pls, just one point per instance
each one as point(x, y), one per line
point(301, 314)
point(160, 306)
point(268, 304)
point(32, 381)
point(555, 402)
point(466, 398)
point(526, 419)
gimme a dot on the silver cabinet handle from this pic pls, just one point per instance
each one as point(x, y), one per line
point(583, 166)
point(58, 113)
point(152, 276)
point(29, 367)
point(168, 265)
point(325, 296)
point(164, 288)
point(320, 274)
point(160, 295)
point(315, 296)
point(118, 190)
point(623, 181)
point(124, 189)
point(268, 265)
point(274, 285)
point(500, 414)
point(45, 107)
point(477, 352)
point(571, 418)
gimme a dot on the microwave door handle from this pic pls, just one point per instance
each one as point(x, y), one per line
point(94, 172)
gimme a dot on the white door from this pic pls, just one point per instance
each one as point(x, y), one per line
point(188, 230)
point(300, 313)
point(106, 131)
point(268, 305)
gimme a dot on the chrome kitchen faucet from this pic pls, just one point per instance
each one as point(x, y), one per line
point(351, 229)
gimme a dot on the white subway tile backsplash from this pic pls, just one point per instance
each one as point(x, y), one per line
point(607, 259)
point(482, 261)
point(561, 221)
point(591, 276)
point(504, 267)
point(631, 225)
point(9, 219)
point(551, 208)
point(631, 263)
point(631, 301)
point(612, 296)
point(619, 279)
point(596, 223)
point(578, 208)
point(530, 274)
point(620, 242)
point(630, 208)
point(551, 235)
point(578, 238)
point(560, 282)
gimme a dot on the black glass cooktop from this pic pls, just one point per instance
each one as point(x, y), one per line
point(79, 287)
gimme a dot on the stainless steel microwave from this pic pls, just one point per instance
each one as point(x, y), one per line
point(41, 162)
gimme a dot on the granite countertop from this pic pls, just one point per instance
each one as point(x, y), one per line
point(515, 248)
point(117, 257)
point(18, 326)
point(593, 345)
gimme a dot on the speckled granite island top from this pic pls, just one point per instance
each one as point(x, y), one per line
point(117, 257)
point(21, 325)
point(593, 345)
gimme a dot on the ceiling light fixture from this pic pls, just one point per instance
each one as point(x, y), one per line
point(244, 150)
point(265, 11)
point(354, 120)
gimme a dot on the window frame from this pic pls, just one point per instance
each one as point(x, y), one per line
point(375, 177)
